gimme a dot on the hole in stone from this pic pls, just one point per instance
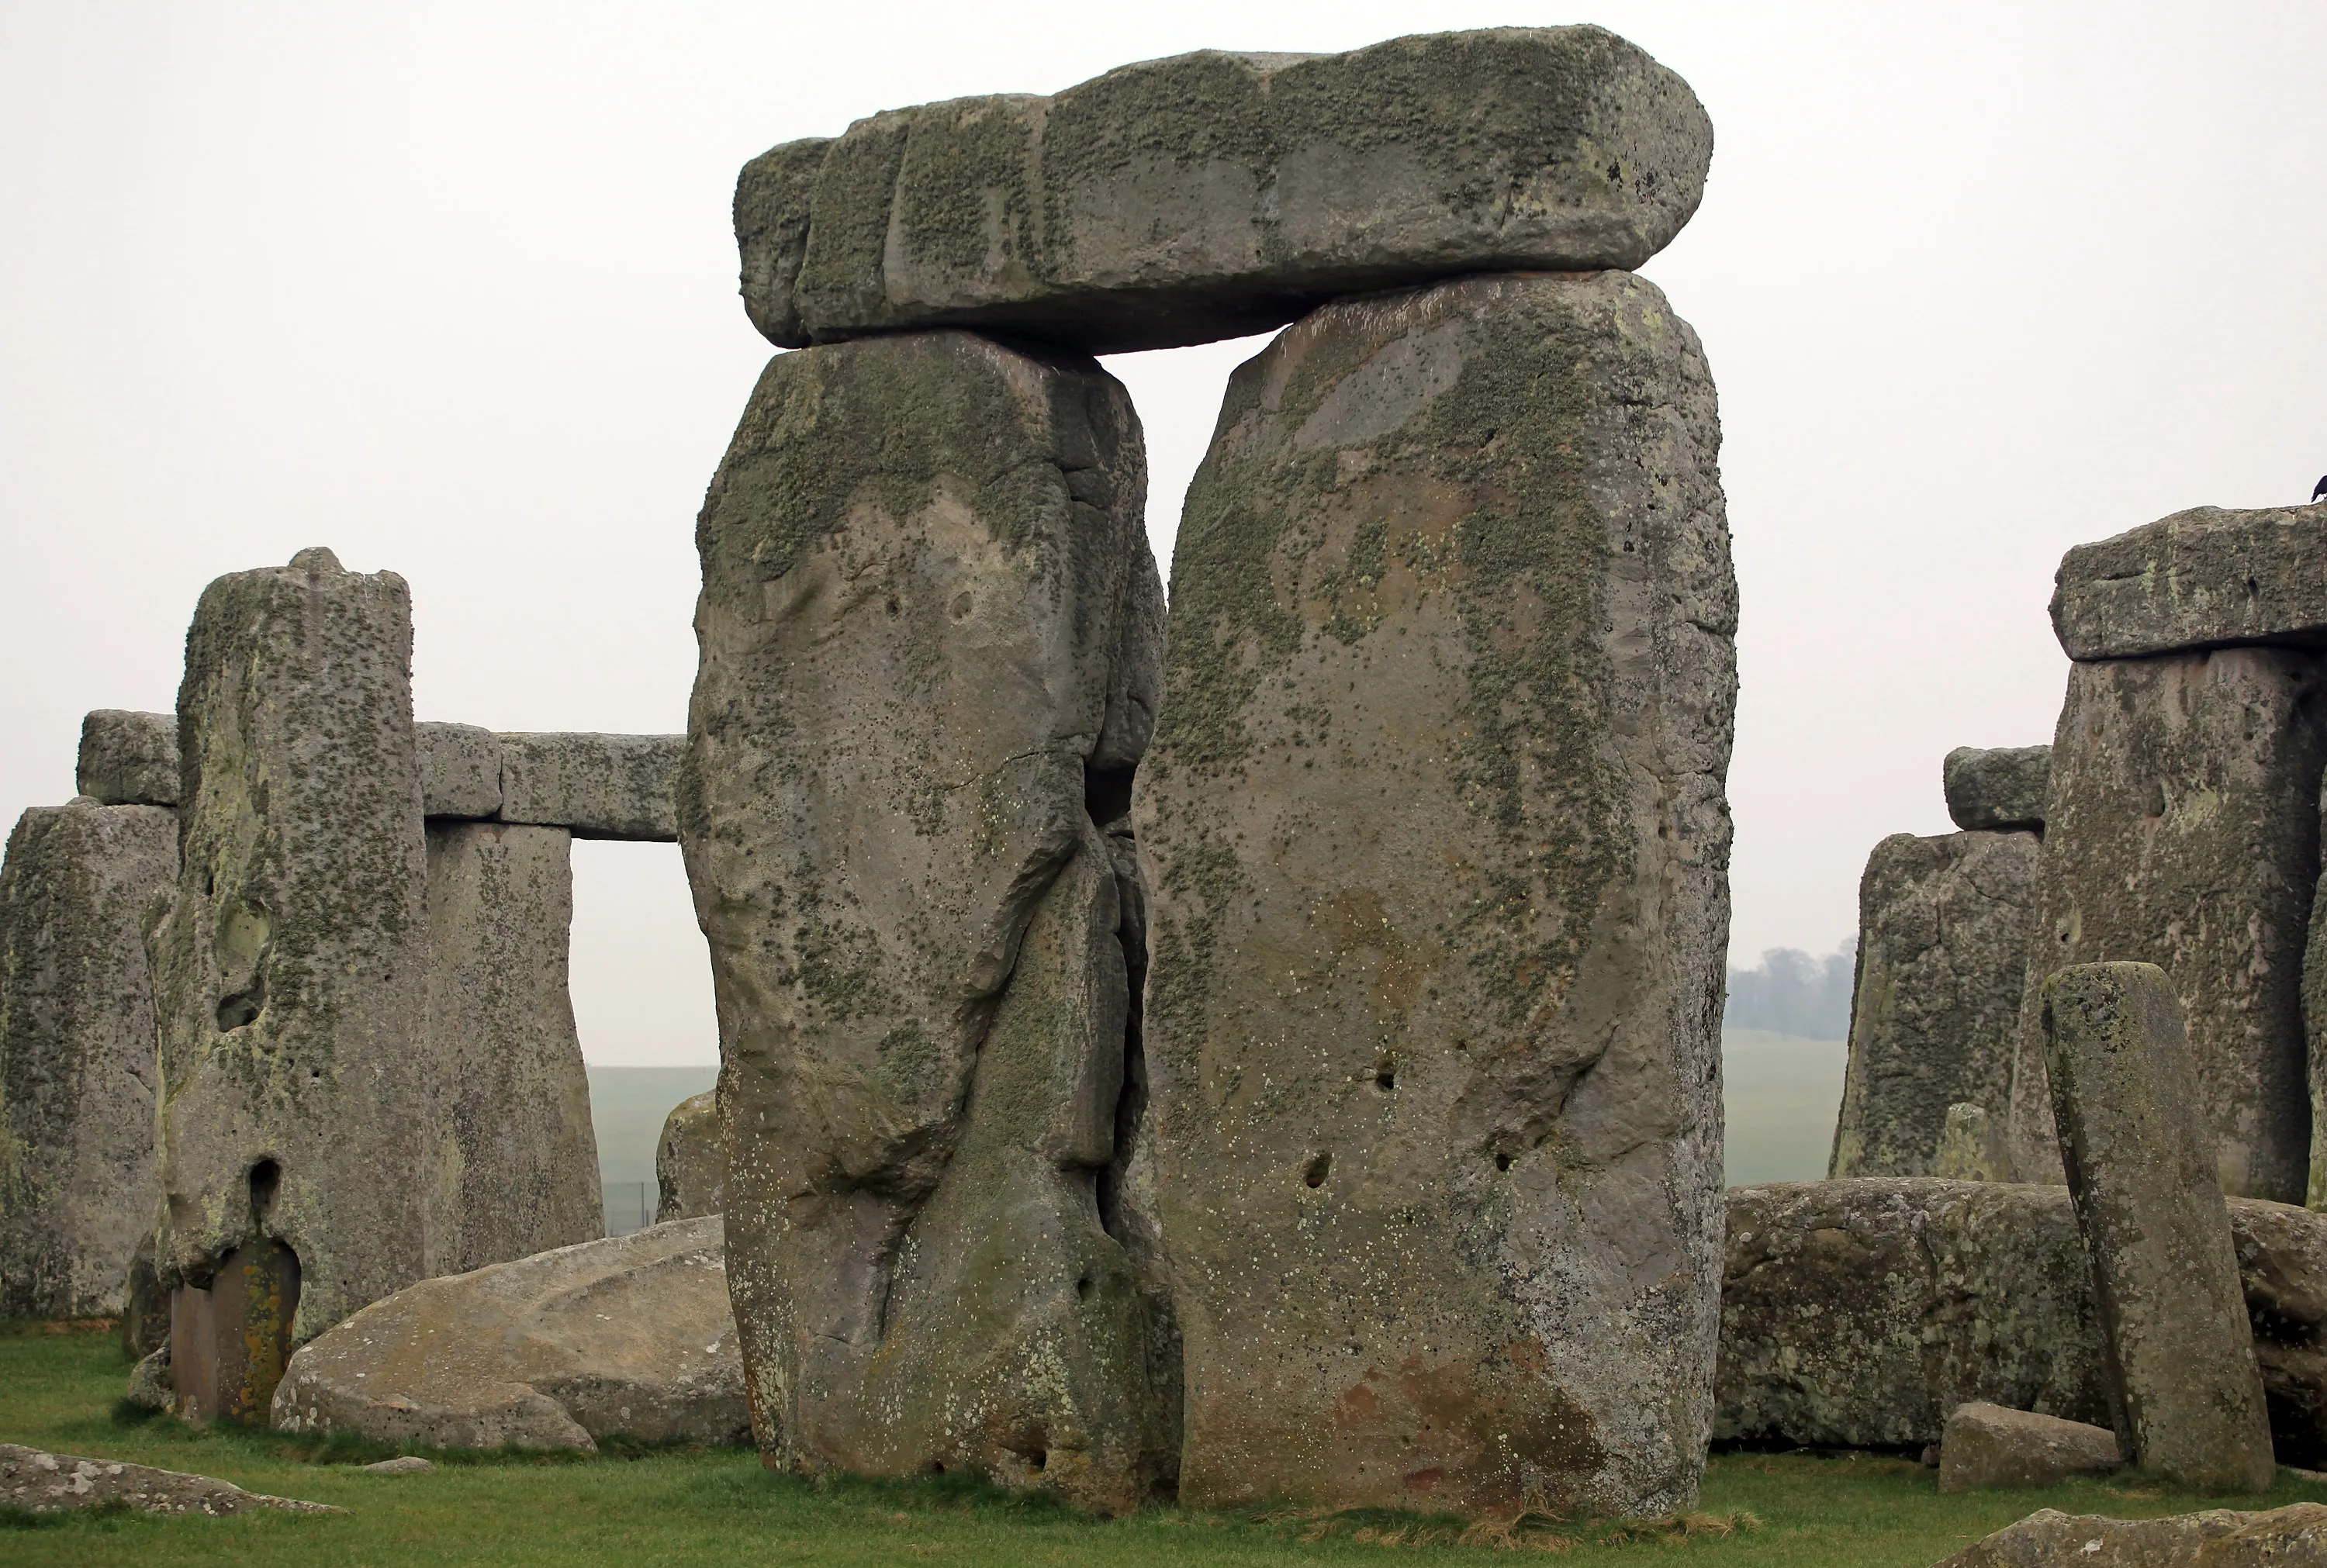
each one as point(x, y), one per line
point(1316, 1172)
point(893, 606)
point(236, 1011)
point(1083, 1289)
point(266, 1181)
point(1502, 1162)
point(938, 1468)
point(1038, 1459)
point(1107, 793)
point(1385, 1079)
point(961, 607)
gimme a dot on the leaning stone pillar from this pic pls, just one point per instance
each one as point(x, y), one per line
point(1440, 850)
point(929, 630)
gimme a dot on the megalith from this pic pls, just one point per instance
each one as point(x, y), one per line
point(1439, 848)
point(1935, 1014)
point(78, 1188)
point(129, 758)
point(930, 630)
point(1999, 789)
point(690, 1165)
point(2142, 1173)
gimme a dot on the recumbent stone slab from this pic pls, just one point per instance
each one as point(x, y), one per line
point(129, 758)
point(1935, 1014)
point(1437, 821)
point(49, 1483)
point(460, 770)
point(2165, 1277)
point(2213, 1538)
point(1215, 194)
point(597, 786)
point(930, 629)
point(1999, 790)
point(690, 1167)
point(2203, 578)
point(1987, 1445)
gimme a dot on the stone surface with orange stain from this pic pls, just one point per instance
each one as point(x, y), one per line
point(1437, 827)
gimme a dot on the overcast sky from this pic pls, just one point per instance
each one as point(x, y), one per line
point(451, 289)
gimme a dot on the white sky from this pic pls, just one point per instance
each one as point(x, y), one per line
point(451, 289)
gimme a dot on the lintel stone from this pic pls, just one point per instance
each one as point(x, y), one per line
point(2205, 578)
point(129, 758)
point(598, 785)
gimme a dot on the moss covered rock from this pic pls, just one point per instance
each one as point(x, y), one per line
point(129, 758)
point(2205, 578)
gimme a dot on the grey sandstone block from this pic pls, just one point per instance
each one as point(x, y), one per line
point(2203, 578)
point(1214, 194)
point(596, 786)
point(460, 770)
point(129, 758)
point(1986, 1445)
point(2211, 1538)
point(2000, 790)
point(690, 1166)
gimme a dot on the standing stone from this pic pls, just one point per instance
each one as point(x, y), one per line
point(1440, 852)
point(291, 968)
point(690, 1167)
point(930, 630)
point(2183, 830)
point(76, 1182)
point(1942, 956)
point(2314, 999)
point(2165, 1277)
point(517, 1168)
point(2000, 790)
point(129, 758)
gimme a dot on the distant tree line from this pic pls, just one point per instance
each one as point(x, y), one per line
point(1790, 992)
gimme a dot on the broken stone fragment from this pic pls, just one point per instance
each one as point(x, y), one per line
point(129, 758)
point(2203, 578)
point(2000, 790)
point(2165, 1276)
point(49, 1483)
point(596, 786)
point(2216, 1538)
point(1987, 1445)
point(460, 770)
point(690, 1167)
point(78, 1187)
point(1439, 845)
point(1215, 194)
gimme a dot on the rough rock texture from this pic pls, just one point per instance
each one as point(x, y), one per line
point(2165, 1276)
point(599, 786)
point(291, 967)
point(1215, 194)
point(2314, 999)
point(1986, 1445)
point(517, 1165)
point(2203, 578)
point(628, 1336)
point(930, 630)
point(129, 758)
point(231, 1336)
point(145, 1305)
point(2000, 790)
point(1861, 1312)
point(460, 770)
point(1935, 1014)
point(690, 1167)
point(47, 1483)
point(1973, 1146)
point(2183, 830)
point(1440, 849)
point(77, 1080)
point(2216, 1538)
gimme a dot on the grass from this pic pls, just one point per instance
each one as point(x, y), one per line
point(714, 1507)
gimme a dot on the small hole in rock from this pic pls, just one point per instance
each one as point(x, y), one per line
point(1386, 1079)
point(1039, 1459)
point(1313, 1172)
point(1502, 1162)
point(266, 1181)
point(1083, 1289)
point(893, 606)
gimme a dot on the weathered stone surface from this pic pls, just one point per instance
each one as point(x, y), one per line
point(2216, 1538)
point(2203, 578)
point(518, 1166)
point(1935, 1014)
point(631, 1336)
point(145, 1305)
point(2165, 1277)
point(2313, 992)
point(1986, 1445)
point(460, 770)
point(930, 629)
point(409, 1464)
point(598, 785)
point(1861, 1312)
point(1215, 194)
point(1973, 1146)
point(77, 1081)
point(1997, 791)
point(2183, 831)
point(291, 967)
point(1440, 852)
point(49, 1483)
point(690, 1167)
point(129, 758)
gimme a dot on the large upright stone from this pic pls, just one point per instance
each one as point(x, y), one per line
point(690, 1165)
point(1942, 956)
point(1436, 814)
point(76, 1183)
point(930, 630)
point(2203, 578)
point(2183, 830)
point(129, 758)
point(2165, 1277)
point(1215, 194)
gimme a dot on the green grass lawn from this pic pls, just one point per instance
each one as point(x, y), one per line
point(720, 1507)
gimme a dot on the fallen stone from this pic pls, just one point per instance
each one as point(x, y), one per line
point(627, 1337)
point(129, 758)
point(930, 629)
point(596, 786)
point(1986, 1445)
point(151, 1386)
point(1935, 1012)
point(2183, 831)
point(1437, 821)
point(517, 1168)
point(2282, 1254)
point(1997, 791)
point(460, 770)
point(690, 1168)
point(2203, 578)
point(2165, 1275)
point(2217, 1538)
point(78, 1187)
point(51, 1483)
point(1215, 194)
point(410, 1464)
